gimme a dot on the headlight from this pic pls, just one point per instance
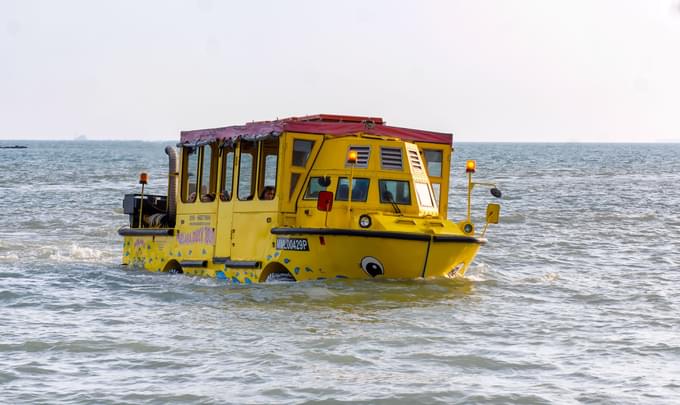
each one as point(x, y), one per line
point(364, 221)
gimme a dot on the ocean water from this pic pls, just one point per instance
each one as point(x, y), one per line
point(575, 299)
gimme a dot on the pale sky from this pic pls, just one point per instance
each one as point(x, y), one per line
point(486, 70)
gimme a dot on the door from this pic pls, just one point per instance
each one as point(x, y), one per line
point(224, 230)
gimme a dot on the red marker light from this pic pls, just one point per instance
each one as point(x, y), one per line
point(143, 178)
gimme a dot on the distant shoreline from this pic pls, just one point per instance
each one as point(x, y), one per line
point(13, 147)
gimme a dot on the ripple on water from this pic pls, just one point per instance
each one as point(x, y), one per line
point(574, 299)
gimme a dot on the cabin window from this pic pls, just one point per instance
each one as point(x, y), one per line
point(301, 151)
point(424, 196)
point(227, 173)
point(268, 168)
point(433, 158)
point(313, 188)
point(190, 170)
point(247, 167)
point(207, 179)
point(394, 191)
point(359, 189)
point(436, 188)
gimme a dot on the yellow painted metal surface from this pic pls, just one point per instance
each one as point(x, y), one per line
point(246, 240)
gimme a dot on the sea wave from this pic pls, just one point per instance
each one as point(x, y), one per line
point(578, 281)
point(477, 272)
point(514, 218)
point(76, 253)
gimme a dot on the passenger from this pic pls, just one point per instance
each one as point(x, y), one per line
point(191, 197)
point(268, 193)
point(224, 196)
point(205, 195)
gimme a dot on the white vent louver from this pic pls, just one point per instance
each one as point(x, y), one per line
point(390, 158)
point(363, 153)
point(416, 163)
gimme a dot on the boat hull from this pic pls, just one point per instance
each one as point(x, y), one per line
point(314, 254)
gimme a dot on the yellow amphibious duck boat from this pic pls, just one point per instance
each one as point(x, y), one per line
point(305, 198)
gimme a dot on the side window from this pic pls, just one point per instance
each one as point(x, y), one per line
point(189, 174)
point(359, 189)
point(268, 168)
point(247, 166)
point(436, 187)
point(207, 179)
point(301, 150)
point(394, 191)
point(313, 188)
point(433, 159)
point(227, 173)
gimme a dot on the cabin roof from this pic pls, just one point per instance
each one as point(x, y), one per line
point(326, 124)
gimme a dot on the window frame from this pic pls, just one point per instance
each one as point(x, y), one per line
point(382, 201)
point(354, 179)
point(252, 186)
point(225, 150)
point(309, 153)
point(188, 151)
point(262, 167)
point(435, 181)
point(210, 195)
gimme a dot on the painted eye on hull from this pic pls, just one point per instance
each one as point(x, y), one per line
point(372, 266)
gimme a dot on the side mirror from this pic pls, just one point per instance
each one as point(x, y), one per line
point(324, 181)
point(493, 213)
point(496, 192)
point(324, 201)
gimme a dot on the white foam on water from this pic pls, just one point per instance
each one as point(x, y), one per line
point(85, 253)
point(77, 253)
point(476, 272)
point(318, 293)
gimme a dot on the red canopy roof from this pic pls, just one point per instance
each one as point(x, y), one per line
point(326, 124)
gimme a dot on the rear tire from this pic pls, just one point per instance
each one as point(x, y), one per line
point(173, 268)
point(276, 273)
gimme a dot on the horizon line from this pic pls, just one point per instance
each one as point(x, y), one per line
point(660, 141)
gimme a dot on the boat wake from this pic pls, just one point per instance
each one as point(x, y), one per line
point(75, 253)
